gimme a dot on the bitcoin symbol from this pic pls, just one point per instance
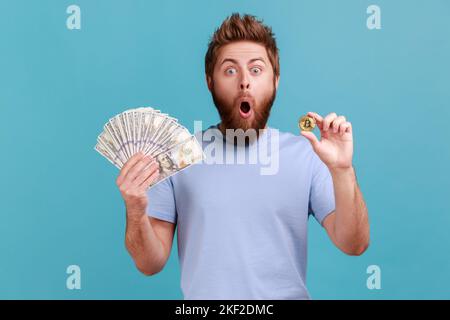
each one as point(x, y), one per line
point(306, 123)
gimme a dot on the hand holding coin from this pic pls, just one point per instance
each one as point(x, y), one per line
point(335, 147)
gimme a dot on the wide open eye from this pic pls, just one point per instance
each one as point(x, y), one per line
point(255, 70)
point(231, 71)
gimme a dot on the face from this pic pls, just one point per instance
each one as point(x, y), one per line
point(243, 86)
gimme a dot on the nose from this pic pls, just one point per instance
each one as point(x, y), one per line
point(245, 82)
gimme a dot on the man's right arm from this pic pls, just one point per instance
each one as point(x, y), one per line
point(148, 240)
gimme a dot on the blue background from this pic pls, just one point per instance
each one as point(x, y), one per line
point(59, 202)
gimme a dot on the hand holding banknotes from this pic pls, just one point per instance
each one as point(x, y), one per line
point(138, 173)
point(149, 132)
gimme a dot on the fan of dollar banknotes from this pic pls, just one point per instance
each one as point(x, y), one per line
point(153, 133)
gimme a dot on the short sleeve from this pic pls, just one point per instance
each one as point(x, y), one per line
point(161, 201)
point(321, 197)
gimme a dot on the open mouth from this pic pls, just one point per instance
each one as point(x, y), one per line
point(245, 109)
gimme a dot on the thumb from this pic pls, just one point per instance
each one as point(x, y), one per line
point(311, 137)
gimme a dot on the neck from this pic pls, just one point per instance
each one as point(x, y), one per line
point(223, 129)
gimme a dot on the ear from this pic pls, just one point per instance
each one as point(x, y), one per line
point(277, 79)
point(209, 82)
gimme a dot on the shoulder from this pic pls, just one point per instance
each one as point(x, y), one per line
point(298, 148)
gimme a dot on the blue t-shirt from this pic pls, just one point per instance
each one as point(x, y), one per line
point(242, 227)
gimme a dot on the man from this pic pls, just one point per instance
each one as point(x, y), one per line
point(241, 234)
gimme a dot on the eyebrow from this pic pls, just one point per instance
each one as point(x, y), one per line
point(235, 61)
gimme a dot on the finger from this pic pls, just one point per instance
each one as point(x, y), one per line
point(336, 123)
point(311, 137)
point(350, 128)
point(148, 171)
point(317, 117)
point(327, 121)
point(137, 168)
point(128, 165)
point(147, 182)
point(343, 127)
point(136, 171)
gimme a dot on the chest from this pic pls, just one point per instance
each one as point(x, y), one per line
point(239, 192)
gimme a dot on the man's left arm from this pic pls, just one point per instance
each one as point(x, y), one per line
point(348, 225)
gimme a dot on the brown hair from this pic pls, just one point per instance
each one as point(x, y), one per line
point(237, 28)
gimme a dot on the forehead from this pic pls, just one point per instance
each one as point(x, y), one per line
point(242, 51)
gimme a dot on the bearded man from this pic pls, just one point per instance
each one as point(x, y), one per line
point(242, 234)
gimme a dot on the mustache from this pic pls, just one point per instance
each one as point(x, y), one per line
point(245, 97)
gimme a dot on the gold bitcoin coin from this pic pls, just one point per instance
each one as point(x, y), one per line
point(306, 123)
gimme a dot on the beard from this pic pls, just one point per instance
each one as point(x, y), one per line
point(231, 119)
